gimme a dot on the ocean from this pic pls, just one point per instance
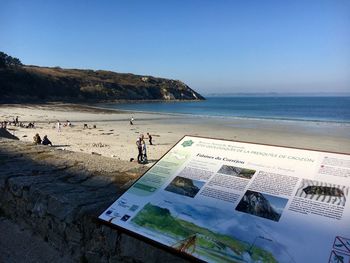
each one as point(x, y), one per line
point(327, 109)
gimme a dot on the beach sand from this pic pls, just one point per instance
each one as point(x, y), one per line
point(115, 137)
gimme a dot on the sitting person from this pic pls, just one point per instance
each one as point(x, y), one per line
point(67, 124)
point(30, 125)
point(37, 139)
point(46, 141)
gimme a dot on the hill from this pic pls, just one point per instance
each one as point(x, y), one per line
point(22, 83)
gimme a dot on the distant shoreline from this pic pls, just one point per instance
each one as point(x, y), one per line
point(115, 137)
point(301, 109)
point(231, 117)
point(98, 108)
point(277, 94)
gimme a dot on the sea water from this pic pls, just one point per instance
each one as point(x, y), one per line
point(330, 109)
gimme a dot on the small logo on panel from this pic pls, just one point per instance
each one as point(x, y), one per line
point(187, 143)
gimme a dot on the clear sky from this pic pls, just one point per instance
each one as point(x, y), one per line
point(213, 46)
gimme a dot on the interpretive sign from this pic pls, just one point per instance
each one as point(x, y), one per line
point(222, 201)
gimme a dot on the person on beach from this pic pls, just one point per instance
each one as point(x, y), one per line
point(58, 126)
point(37, 139)
point(149, 138)
point(67, 124)
point(144, 152)
point(132, 120)
point(46, 141)
point(139, 148)
point(139, 144)
point(16, 121)
point(30, 125)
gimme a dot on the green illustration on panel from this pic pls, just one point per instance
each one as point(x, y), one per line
point(160, 173)
point(189, 238)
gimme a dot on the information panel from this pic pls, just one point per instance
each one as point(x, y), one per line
point(225, 201)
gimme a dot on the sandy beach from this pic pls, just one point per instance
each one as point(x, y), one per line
point(114, 136)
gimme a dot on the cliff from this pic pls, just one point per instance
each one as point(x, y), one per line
point(20, 83)
point(256, 204)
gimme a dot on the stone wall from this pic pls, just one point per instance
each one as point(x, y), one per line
point(60, 194)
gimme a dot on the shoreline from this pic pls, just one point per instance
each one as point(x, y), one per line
point(114, 137)
point(234, 117)
point(96, 108)
point(269, 118)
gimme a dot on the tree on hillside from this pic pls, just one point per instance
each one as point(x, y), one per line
point(2, 60)
point(7, 61)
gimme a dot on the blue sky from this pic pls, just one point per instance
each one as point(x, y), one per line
point(213, 46)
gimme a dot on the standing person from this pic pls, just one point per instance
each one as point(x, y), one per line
point(144, 152)
point(139, 148)
point(58, 125)
point(16, 121)
point(132, 120)
point(149, 138)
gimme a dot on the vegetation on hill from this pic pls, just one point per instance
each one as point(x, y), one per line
point(7, 61)
point(21, 83)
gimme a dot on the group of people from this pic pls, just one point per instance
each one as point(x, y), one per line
point(16, 122)
point(3, 124)
point(44, 141)
point(142, 148)
point(66, 124)
point(140, 143)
